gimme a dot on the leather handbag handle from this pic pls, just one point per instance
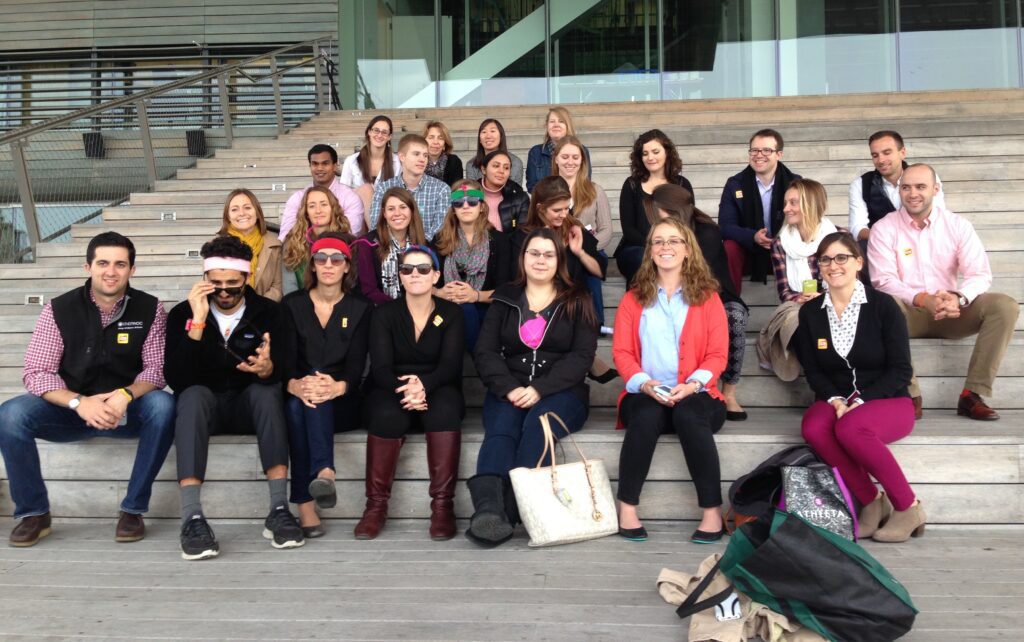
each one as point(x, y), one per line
point(549, 444)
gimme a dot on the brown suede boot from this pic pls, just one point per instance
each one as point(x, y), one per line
point(873, 515)
point(381, 463)
point(443, 450)
point(902, 525)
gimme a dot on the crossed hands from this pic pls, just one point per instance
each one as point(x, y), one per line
point(103, 411)
point(316, 389)
point(523, 397)
point(679, 392)
point(414, 395)
point(942, 305)
point(458, 292)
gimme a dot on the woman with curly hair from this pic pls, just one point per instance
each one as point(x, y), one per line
point(671, 342)
point(320, 212)
point(654, 161)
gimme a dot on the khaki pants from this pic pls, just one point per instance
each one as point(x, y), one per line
point(992, 316)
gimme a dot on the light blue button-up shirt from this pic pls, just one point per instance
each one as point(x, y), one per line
point(661, 325)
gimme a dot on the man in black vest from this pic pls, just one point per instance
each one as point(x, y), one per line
point(222, 347)
point(94, 367)
point(750, 212)
point(876, 193)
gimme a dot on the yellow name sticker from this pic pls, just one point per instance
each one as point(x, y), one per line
point(822, 344)
point(438, 320)
point(739, 193)
point(908, 252)
point(344, 322)
point(122, 338)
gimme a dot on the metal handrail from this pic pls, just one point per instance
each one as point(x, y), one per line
point(85, 112)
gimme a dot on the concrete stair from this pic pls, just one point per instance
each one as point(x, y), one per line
point(966, 472)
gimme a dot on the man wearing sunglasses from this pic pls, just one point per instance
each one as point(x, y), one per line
point(94, 367)
point(323, 166)
point(222, 347)
point(750, 212)
point(432, 196)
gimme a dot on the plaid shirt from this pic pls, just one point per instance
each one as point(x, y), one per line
point(46, 349)
point(432, 196)
point(787, 293)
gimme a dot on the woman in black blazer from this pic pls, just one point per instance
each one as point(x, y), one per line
point(855, 351)
point(416, 375)
point(474, 256)
point(327, 328)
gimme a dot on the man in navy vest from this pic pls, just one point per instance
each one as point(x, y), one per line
point(94, 367)
point(223, 347)
point(876, 193)
point(750, 212)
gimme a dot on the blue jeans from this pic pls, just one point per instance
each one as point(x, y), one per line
point(28, 417)
point(594, 284)
point(513, 436)
point(473, 316)
point(311, 437)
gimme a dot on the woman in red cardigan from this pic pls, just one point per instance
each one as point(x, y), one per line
point(671, 343)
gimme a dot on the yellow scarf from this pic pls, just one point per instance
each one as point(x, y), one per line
point(255, 241)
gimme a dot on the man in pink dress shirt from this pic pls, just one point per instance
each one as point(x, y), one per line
point(323, 166)
point(916, 254)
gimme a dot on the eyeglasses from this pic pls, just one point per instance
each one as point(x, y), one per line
point(839, 259)
point(380, 132)
point(235, 291)
point(764, 151)
point(472, 201)
point(537, 254)
point(423, 268)
point(321, 259)
point(672, 242)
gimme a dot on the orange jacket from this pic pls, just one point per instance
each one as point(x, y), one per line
point(703, 343)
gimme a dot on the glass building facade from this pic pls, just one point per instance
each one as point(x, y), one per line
point(440, 53)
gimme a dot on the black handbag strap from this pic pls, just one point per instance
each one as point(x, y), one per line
point(691, 605)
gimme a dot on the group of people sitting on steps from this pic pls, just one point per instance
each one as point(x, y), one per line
point(359, 313)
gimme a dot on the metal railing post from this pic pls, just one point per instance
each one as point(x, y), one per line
point(277, 95)
point(147, 143)
point(28, 204)
point(318, 80)
point(225, 108)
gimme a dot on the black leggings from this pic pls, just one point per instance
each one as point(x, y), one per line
point(385, 417)
point(695, 420)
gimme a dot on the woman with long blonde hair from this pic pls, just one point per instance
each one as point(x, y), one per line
point(243, 218)
point(671, 385)
point(474, 256)
point(796, 272)
point(320, 212)
point(558, 124)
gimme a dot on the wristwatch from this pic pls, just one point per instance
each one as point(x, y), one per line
point(962, 299)
point(73, 404)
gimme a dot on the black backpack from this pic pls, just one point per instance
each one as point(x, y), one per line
point(757, 493)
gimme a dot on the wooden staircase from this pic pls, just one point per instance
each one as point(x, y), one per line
point(967, 472)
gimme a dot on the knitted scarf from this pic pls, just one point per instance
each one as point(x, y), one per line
point(468, 263)
point(254, 240)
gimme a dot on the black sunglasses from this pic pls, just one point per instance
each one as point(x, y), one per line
point(422, 268)
point(235, 291)
point(472, 201)
point(321, 259)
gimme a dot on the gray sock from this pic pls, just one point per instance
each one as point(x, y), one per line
point(190, 506)
point(278, 493)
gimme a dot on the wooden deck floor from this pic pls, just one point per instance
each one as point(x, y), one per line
point(967, 582)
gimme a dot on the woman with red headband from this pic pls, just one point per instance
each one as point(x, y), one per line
point(416, 375)
point(328, 329)
point(474, 256)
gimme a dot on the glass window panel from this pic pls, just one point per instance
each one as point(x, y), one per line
point(719, 49)
point(398, 62)
point(495, 54)
point(958, 44)
point(604, 50)
point(836, 47)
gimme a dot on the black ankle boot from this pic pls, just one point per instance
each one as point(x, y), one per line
point(489, 525)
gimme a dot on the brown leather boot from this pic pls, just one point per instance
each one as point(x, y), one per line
point(381, 463)
point(443, 450)
point(130, 528)
point(30, 530)
point(902, 525)
point(873, 515)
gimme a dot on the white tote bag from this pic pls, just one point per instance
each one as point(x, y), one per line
point(564, 503)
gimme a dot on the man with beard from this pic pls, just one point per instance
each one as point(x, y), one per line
point(222, 347)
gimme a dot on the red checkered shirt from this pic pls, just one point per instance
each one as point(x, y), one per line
point(45, 350)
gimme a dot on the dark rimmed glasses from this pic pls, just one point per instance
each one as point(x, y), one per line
point(405, 269)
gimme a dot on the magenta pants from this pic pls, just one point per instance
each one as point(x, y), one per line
point(856, 445)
